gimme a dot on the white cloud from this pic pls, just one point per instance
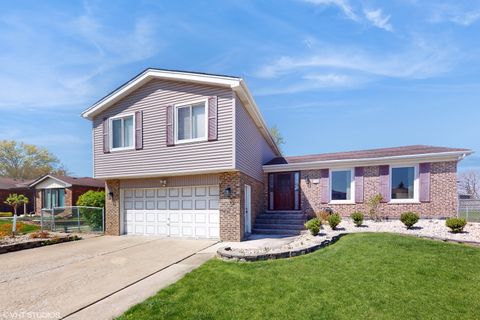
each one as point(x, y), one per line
point(377, 18)
point(332, 67)
point(342, 4)
point(457, 14)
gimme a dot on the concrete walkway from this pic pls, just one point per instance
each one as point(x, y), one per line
point(96, 278)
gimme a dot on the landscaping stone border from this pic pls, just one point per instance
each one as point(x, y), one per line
point(226, 253)
point(36, 243)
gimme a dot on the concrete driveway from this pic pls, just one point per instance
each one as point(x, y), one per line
point(95, 278)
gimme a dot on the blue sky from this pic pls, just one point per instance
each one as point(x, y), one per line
point(333, 75)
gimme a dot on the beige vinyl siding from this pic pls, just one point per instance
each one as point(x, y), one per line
point(252, 150)
point(177, 181)
point(156, 158)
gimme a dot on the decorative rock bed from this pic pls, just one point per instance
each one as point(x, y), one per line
point(306, 243)
point(23, 242)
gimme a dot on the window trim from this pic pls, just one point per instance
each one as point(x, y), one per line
point(175, 123)
point(416, 184)
point(352, 186)
point(110, 131)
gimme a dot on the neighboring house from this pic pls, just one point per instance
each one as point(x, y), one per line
point(9, 186)
point(62, 191)
point(189, 155)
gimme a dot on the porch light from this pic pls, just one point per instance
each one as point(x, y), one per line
point(227, 192)
point(110, 195)
point(307, 180)
point(163, 182)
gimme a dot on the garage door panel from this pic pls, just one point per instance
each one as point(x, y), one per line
point(200, 217)
point(139, 216)
point(213, 204)
point(162, 204)
point(174, 212)
point(150, 204)
point(187, 204)
point(174, 205)
point(150, 229)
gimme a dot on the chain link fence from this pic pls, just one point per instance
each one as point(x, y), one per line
point(469, 209)
point(73, 219)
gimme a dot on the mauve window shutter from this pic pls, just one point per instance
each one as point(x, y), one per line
point(359, 173)
point(325, 186)
point(170, 133)
point(106, 138)
point(385, 182)
point(212, 118)
point(424, 177)
point(138, 130)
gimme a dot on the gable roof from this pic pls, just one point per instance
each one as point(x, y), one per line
point(10, 183)
point(372, 156)
point(237, 84)
point(72, 181)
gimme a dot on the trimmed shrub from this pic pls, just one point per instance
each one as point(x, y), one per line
point(357, 218)
point(409, 219)
point(456, 225)
point(334, 220)
point(313, 225)
point(93, 217)
point(6, 214)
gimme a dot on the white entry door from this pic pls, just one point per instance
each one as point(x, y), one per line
point(173, 212)
point(248, 209)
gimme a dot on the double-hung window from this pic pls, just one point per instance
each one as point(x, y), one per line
point(122, 132)
point(341, 186)
point(404, 184)
point(191, 122)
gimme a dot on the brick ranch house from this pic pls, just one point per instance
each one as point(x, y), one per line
point(189, 155)
point(61, 191)
point(9, 186)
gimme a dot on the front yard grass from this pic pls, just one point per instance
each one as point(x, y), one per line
point(361, 276)
point(22, 227)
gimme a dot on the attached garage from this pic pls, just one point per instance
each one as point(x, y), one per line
point(191, 211)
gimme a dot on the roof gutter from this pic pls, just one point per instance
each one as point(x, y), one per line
point(427, 157)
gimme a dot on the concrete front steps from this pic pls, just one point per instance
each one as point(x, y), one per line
point(279, 223)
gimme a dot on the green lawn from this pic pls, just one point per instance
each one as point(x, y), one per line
point(361, 276)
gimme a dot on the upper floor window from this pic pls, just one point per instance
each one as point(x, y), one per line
point(403, 183)
point(122, 132)
point(341, 185)
point(191, 124)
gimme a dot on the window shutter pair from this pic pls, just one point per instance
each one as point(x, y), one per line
point(212, 107)
point(138, 132)
point(424, 181)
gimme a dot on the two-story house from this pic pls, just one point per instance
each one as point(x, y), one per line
point(188, 154)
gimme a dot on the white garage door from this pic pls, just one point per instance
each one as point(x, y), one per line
point(174, 212)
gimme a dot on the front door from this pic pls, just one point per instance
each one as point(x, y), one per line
point(284, 191)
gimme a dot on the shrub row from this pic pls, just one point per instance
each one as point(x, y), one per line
point(409, 219)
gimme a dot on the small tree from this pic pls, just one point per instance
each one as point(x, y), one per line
point(374, 204)
point(93, 217)
point(277, 136)
point(15, 200)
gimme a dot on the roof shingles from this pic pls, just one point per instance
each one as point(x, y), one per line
point(365, 154)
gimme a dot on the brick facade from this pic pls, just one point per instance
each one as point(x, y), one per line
point(112, 207)
point(232, 208)
point(443, 194)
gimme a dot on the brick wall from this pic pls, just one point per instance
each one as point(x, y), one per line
point(232, 209)
point(443, 194)
point(112, 208)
